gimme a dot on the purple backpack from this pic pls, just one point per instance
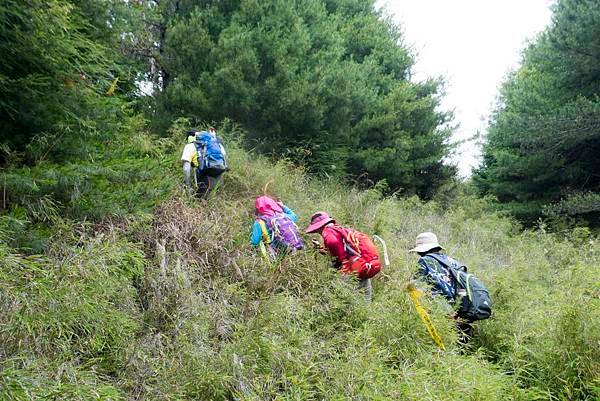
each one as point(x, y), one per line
point(284, 231)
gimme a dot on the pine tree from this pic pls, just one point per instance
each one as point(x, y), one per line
point(541, 153)
point(326, 84)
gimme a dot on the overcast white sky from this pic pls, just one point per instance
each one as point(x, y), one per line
point(473, 44)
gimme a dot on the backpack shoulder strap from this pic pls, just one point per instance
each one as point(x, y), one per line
point(455, 273)
point(444, 262)
point(265, 233)
point(201, 150)
point(350, 241)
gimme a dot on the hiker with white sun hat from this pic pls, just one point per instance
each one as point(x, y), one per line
point(430, 269)
point(449, 278)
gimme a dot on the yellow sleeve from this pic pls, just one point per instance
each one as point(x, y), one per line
point(190, 154)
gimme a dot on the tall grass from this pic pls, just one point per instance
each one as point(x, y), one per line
point(177, 306)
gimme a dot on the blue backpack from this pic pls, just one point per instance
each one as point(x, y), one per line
point(211, 159)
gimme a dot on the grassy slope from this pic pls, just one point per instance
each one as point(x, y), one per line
point(175, 305)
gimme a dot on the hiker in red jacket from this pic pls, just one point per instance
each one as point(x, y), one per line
point(353, 251)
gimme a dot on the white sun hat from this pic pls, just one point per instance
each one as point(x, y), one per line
point(426, 242)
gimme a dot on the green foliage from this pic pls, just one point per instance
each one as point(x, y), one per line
point(320, 83)
point(549, 313)
point(114, 285)
point(177, 306)
point(68, 322)
point(121, 174)
point(578, 204)
point(543, 141)
point(56, 66)
point(63, 382)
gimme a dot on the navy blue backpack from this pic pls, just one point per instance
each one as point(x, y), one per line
point(449, 276)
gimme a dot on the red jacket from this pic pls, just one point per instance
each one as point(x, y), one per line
point(334, 242)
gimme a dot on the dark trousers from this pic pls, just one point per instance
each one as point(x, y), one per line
point(207, 184)
point(465, 330)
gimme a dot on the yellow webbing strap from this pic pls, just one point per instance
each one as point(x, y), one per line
point(415, 294)
point(264, 244)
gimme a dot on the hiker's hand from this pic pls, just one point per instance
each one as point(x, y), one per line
point(319, 247)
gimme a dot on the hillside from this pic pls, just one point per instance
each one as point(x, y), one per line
point(116, 286)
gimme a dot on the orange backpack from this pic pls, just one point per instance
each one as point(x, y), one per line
point(363, 257)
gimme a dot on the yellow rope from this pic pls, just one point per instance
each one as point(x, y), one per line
point(415, 294)
point(113, 87)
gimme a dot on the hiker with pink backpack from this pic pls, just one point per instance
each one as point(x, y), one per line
point(355, 254)
point(274, 229)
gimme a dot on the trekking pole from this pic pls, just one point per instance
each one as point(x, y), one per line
point(385, 253)
point(415, 294)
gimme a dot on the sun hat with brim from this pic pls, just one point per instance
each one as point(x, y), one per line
point(317, 221)
point(426, 242)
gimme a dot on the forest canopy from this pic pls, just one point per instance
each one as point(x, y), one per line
point(541, 153)
point(324, 83)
